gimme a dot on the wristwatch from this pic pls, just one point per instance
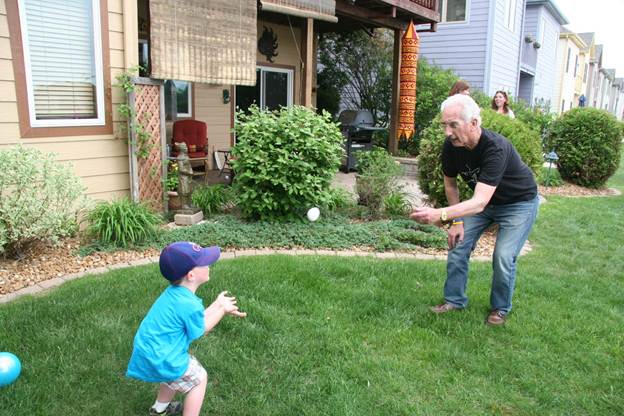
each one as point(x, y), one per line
point(443, 216)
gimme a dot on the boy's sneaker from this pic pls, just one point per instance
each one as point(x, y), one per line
point(174, 408)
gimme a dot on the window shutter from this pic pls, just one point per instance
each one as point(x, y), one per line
point(59, 39)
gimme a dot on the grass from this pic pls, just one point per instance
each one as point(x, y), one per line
point(352, 336)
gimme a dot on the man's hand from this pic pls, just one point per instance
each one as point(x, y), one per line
point(426, 215)
point(455, 235)
point(228, 303)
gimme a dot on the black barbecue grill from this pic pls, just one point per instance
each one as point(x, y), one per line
point(357, 128)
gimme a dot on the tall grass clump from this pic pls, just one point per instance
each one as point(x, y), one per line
point(122, 223)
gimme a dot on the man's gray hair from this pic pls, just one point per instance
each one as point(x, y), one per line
point(469, 109)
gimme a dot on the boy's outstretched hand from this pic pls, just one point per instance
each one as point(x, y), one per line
point(229, 305)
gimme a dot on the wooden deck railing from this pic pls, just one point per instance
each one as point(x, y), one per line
point(429, 4)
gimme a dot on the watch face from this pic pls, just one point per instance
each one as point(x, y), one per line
point(443, 215)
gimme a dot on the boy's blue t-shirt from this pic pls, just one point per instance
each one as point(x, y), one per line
point(162, 341)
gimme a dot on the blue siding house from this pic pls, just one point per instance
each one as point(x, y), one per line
point(480, 40)
point(542, 25)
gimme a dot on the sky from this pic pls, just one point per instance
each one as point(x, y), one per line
point(604, 18)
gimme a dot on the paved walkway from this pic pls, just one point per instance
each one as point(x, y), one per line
point(409, 185)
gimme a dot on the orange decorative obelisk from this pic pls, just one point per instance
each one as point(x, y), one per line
point(410, 45)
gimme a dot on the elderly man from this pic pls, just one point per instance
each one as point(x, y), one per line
point(505, 193)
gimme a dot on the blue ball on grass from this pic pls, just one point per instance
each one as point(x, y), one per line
point(10, 368)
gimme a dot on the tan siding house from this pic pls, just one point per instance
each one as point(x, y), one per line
point(107, 36)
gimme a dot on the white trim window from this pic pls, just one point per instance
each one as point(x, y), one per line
point(454, 11)
point(274, 88)
point(63, 62)
point(184, 98)
point(510, 14)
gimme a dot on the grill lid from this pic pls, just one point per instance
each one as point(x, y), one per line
point(356, 118)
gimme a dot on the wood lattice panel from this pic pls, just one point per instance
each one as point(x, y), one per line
point(150, 181)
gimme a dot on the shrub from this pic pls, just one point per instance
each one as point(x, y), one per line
point(122, 223)
point(39, 199)
point(377, 178)
point(549, 177)
point(212, 199)
point(538, 118)
point(396, 204)
point(284, 160)
point(339, 198)
point(432, 87)
point(588, 142)
point(526, 141)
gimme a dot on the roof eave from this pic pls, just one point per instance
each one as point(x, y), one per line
point(552, 8)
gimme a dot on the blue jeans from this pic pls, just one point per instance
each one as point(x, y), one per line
point(515, 222)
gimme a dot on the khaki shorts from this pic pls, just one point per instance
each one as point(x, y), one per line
point(194, 375)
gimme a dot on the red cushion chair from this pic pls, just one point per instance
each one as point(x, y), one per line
point(194, 134)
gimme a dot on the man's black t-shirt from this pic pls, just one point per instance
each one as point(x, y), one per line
point(494, 161)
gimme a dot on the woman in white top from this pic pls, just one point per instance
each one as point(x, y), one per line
point(500, 103)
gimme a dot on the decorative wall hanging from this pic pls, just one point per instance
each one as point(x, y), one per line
point(267, 44)
point(410, 45)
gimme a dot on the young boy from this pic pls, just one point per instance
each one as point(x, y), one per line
point(176, 319)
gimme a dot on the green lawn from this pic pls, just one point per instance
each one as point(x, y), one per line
point(352, 336)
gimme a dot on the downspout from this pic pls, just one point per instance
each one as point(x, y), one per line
point(520, 40)
point(488, 47)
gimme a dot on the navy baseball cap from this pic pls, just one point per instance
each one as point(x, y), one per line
point(177, 259)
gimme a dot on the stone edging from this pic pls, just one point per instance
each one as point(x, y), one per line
point(57, 281)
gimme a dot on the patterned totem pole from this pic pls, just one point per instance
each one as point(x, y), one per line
point(410, 44)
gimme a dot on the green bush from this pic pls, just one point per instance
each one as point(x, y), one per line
point(588, 142)
point(432, 87)
point(377, 178)
point(39, 199)
point(122, 223)
point(526, 141)
point(339, 198)
point(213, 199)
point(396, 204)
point(538, 118)
point(284, 161)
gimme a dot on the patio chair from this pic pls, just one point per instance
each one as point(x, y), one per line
point(194, 134)
point(222, 160)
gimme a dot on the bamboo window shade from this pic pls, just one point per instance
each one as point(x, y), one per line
point(316, 9)
point(211, 42)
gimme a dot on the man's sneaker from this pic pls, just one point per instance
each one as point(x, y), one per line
point(174, 408)
point(496, 318)
point(444, 308)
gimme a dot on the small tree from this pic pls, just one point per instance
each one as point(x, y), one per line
point(359, 65)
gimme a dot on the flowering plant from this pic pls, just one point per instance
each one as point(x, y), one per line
point(171, 183)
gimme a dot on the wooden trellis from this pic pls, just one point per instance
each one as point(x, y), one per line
point(147, 169)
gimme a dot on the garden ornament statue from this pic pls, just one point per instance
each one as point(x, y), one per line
point(550, 158)
point(185, 181)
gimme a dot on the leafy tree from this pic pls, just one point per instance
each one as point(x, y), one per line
point(360, 65)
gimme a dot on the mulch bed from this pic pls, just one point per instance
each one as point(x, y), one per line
point(568, 189)
point(48, 262)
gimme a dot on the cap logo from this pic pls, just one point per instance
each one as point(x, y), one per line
point(195, 247)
